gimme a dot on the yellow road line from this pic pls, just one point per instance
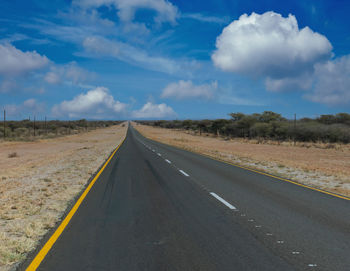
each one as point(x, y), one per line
point(259, 172)
point(48, 245)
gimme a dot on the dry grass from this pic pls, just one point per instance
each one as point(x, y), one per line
point(325, 166)
point(37, 186)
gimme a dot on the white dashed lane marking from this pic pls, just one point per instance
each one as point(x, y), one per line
point(183, 172)
point(223, 201)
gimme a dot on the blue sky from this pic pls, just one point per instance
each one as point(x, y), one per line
point(158, 59)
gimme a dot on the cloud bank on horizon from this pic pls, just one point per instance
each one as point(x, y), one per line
point(104, 59)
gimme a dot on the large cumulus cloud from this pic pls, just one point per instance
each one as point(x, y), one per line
point(272, 47)
point(14, 61)
point(97, 103)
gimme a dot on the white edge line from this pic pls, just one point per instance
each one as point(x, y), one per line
point(168, 161)
point(159, 154)
point(183, 172)
point(223, 201)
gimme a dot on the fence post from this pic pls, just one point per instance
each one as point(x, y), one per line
point(4, 124)
point(295, 128)
point(34, 126)
point(45, 126)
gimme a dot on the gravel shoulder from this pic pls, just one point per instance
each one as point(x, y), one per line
point(38, 180)
point(310, 164)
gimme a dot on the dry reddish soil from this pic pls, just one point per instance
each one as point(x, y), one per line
point(317, 165)
point(39, 179)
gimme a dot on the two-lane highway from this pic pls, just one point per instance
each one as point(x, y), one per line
point(156, 207)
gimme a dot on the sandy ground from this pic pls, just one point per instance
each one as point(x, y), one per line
point(310, 164)
point(37, 185)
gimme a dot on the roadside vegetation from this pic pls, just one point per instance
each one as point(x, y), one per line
point(26, 130)
point(268, 126)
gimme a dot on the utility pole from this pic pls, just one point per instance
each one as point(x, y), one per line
point(295, 128)
point(34, 125)
point(4, 124)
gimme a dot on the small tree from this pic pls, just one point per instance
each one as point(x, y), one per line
point(236, 116)
point(268, 116)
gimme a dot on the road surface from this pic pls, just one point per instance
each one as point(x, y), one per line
point(156, 207)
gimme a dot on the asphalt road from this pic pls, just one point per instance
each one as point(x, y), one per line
point(156, 207)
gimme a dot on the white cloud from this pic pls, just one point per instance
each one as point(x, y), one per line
point(100, 46)
point(14, 37)
point(187, 90)
point(30, 106)
point(204, 18)
point(151, 110)
point(97, 103)
point(76, 74)
point(19, 37)
point(136, 32)
point(130, 42)
point(70, 72)
point(166, 11)
point(7, 85)
point(52, 78)
point(235, 100)
point(332, 86)
point(302, 82)
point(288, 58)
point(14, 61)
point(270, 46)
point(87, 18)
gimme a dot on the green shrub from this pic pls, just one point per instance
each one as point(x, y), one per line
point(326, 128)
